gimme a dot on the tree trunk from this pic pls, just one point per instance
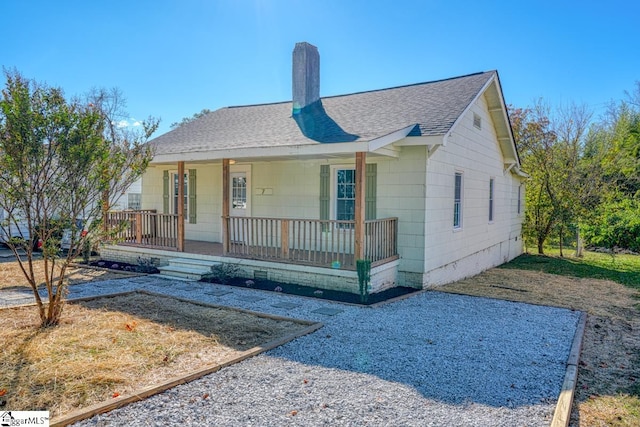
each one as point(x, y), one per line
point(51, 316)
point(579, 247)
point(561, 237)
point(540, 246)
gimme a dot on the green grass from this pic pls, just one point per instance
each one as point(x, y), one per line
point(623, 269)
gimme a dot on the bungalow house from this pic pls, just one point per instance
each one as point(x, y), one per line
point(423, 180)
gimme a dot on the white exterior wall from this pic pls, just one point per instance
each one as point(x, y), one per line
point(452, 254)
point(286, 189)
point(401, 193)
point(121, 202)
point(208, 226)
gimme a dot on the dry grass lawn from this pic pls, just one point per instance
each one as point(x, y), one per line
point(112, 346)
point(11, 277)
point(609, 373)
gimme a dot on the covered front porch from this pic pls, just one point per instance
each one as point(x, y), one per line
point(332, 239)
point(316, 212)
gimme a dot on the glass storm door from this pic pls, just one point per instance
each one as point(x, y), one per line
point(238, 205)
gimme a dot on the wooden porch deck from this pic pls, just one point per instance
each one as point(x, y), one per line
point(203, 248)
point(198, 247)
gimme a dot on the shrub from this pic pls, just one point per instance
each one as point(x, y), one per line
point(146, 265)
point(615, 224)
point(363, 266)
point(222, 273)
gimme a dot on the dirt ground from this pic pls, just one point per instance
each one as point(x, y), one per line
point(609, 371)
point(112, 346)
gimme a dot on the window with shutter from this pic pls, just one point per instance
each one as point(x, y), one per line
point(170, 194)
point(343, 198)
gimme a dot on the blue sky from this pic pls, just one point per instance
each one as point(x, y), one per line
point(173, 58)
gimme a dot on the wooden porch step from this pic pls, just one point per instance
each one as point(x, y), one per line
point(187, 268)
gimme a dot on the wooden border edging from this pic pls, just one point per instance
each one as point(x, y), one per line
point(562, 413)
point(120, 401)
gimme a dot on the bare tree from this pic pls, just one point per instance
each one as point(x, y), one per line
point(59, 160)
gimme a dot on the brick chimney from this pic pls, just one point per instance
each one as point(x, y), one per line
point(306, 76)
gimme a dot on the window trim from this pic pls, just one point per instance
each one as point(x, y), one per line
point(519, 209)
point(458, 203)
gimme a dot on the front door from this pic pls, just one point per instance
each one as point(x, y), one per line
point(238, 206)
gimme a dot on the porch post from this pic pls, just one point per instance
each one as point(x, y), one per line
point(361, 161)
point(225, 206)
point(181, 206)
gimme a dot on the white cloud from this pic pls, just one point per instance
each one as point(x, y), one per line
point(131, 122)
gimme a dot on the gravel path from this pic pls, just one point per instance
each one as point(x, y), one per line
point(434, 359)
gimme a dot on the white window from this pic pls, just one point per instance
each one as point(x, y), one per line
point(174, 195)
point(345, 194)
point(477, 121)
point(134, 201)
point(519, 199)
point(491, 198)
point(457, 201)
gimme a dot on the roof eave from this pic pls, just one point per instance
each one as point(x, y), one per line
point(381, 145)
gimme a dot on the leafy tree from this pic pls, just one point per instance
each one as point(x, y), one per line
point(186, 120)
point(620, 140)
point(59, 161)
point(614, 146)
point(551, 148)
point(616, 224)
point(534, 138)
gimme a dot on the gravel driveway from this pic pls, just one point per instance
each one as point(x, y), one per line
point(433, 359)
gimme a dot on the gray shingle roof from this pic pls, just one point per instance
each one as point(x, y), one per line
point(433, 107)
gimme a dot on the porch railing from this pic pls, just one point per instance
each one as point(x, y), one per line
point(309, 241)
point(329, 243)
point(145, 228)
